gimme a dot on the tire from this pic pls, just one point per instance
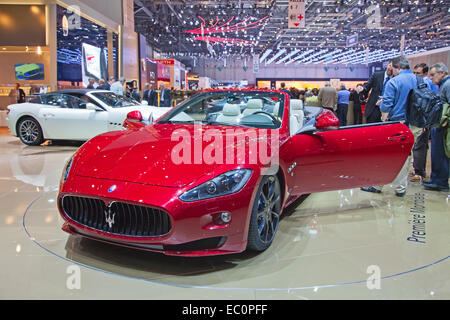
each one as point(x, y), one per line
point(30, 132)
point(265, 214)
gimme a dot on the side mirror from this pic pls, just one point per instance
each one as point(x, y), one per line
point(91, 106)
point(134, 116)
point(144, 102)
point(327, 121)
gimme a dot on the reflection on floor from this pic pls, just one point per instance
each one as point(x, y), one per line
point(328, 246)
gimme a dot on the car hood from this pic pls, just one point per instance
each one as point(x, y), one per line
point(151, 155)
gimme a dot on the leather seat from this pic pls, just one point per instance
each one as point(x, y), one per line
point(276, 109)
point(231, 113)
point(253, 105)
point(296, 116)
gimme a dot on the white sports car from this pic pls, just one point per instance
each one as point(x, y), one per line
point(73, 115)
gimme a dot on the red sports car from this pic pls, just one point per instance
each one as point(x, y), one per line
point(213, 175)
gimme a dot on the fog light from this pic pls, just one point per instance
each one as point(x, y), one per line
point(225, 217)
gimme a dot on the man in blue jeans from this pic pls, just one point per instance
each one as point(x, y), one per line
point(342, 105)
point(393, 108)
point(439, 160)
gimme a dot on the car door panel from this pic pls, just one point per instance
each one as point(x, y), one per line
point(348, 158)
point(72, 122)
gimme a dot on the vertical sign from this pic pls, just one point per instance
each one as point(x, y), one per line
point(367, 55)
point(402, 45)
point(296, 14)
point(352, 40)
point(255, 63)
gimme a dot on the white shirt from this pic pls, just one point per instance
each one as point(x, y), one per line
point(117, 88)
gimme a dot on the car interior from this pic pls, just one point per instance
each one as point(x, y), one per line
point(248, 111)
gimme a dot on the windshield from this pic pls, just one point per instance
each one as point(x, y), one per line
point(115, 101)
point(257, 109)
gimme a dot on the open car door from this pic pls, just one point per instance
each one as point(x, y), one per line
point(348, 157)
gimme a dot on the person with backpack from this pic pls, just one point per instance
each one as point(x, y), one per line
point(440, 135)
point(420, 148)
point(394, 108)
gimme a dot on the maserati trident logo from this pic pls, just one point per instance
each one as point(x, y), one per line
point(109, 216)
point(112, 188)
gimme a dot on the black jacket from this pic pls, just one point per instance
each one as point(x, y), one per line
point(21, 97)
point(167, 99)
point(105, 86)
point(151, 97)
point(375, 84)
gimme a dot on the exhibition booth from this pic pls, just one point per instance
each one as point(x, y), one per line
point(204, 179)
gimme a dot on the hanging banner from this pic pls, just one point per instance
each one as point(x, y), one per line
point(402, 45)
point(352, 40)
point(367, 55)
point(255, 63)
point(296, 14)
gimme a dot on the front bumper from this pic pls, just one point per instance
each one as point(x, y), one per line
point(194, 231)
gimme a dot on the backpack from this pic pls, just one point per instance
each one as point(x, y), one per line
point(424, 106)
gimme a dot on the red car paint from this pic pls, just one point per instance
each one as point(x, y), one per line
point(138, 163)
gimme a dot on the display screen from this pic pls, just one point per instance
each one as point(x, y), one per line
point(29, 71)
point(94, 63)
point(22, 25)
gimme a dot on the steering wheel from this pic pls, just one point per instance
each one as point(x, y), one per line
point(271, 116)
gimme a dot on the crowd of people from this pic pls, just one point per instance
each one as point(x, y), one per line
point(386, 96)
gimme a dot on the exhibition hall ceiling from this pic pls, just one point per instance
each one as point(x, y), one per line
point(344, 31)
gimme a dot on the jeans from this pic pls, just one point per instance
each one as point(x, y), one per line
point(400, 184)
point(342, 114)
point(439, 160)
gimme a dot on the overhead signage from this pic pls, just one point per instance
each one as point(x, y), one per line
point(255, 63)
point(296, 14)
point(352, 40)
point(167, 62)
point(402, 45)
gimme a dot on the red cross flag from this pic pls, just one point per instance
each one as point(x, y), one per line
point(296, 14)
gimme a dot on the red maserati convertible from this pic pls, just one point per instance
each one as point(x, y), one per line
point(213, 175)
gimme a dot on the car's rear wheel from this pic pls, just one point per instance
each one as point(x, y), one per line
point(30, 132)
point(265, 214)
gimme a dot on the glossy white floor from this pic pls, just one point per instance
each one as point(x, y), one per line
point(327, 247)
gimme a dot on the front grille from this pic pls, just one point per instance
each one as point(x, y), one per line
point(119, 218)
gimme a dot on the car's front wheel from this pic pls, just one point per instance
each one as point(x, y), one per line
point(30, 132)
point(265, 214)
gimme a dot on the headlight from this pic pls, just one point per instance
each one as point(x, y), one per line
point(67, 170)
point(227, 183)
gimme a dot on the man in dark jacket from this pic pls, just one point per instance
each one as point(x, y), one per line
point(103, 85)
point(283, 88)
point(439, 160)
point(150, 95)
point(375, 86)
point(357, 99)
point(165, 97)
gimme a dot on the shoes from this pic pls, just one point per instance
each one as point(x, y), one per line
point(371, 189)
point(434, 187)
point(416, 178)
point(400, 194)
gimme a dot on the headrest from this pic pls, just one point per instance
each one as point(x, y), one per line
point(276, 109)
point(231, 109)
point(254, 104)
point(296, 104)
